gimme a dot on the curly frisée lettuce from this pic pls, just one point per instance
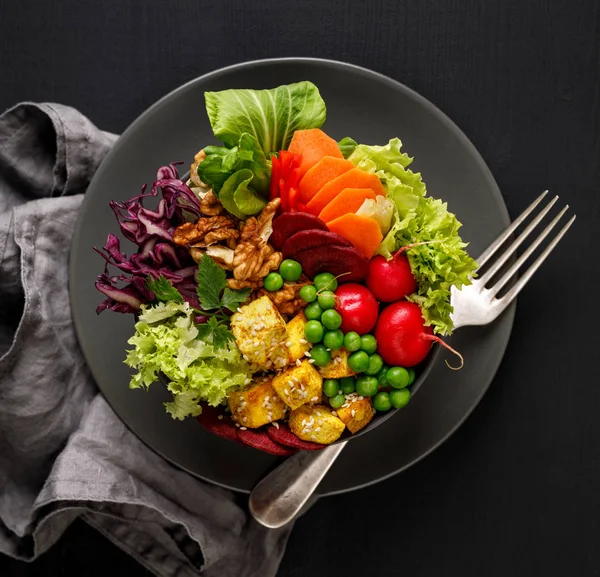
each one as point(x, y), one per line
point(436, 266)
point(166, 341)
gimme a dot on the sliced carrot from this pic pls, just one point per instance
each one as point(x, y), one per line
point(313, 144)
point(349, 200)
point(328, 168)
point(363, 232)
point(354, 178)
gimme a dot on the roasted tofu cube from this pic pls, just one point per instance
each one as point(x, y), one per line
point(256, 405)
point(316, 423)
point(260, 332)
point(299, 384)
point(296, 344)
point(338, 367)
point(356, 412)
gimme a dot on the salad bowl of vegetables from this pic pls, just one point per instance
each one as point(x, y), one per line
point(289, 290)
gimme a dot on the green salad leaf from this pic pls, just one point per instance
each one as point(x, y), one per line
point(347, 146)
point(166, 341)
point(441, 263)
point(222, 162)
point(163, 289)
point(239, 198)
point(270, 116)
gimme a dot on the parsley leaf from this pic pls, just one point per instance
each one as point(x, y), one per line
point(211, 281)
point(214, 332)
point(163, 289)
point(232, 299)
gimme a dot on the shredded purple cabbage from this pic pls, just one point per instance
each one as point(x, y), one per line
point(152, 231)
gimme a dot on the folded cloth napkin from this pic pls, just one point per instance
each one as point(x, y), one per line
point(63, 452)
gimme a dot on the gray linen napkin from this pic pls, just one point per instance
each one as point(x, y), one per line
point(63, 452)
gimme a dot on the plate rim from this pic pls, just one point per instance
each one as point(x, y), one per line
point(363, 72)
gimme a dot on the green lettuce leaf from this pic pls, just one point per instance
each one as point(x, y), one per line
point(381, 209)
point(270, 116)
point(221, 162)
point(197, 370)
point(443, 262)
point(239, 198)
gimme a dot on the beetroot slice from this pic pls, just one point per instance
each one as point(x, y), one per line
point(284, 436)
point(224, 427)
point(261, 441)
point(289, 223)
point(309, 239)
point(334, 259)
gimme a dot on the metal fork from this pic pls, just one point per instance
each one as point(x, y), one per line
point(280, 496)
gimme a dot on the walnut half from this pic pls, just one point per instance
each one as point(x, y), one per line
point(205, 232)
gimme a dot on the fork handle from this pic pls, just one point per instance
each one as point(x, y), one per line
point(280, 496)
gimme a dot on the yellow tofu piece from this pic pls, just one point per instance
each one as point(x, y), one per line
point(260, 332)
point(316, 423)
point(338, 367)
point(256, 405)
point(356, 412)
point(295, 341)
point(299, 384)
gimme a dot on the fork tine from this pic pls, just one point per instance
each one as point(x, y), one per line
point(528, 274)
point(506, 234)
point(516, 244)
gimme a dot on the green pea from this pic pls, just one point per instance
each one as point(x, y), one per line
point(308, 293)
point(367, 386)
point(325, 280)
point(273, 281)
point(368, 343)
point(358, 361)
point(398, 377)
point(290, 270)
point(313, 312)
point(313, 332)
point(348, 385)
point(333, 340)
point(326, 300)
point(399, 398)
point(375, 364)
point(320, 355)
point(381, 401)
point(352, 341)
point(330, 387)
point(337, 401)
point(332, 320)
point(411, 376)
point(382, 376)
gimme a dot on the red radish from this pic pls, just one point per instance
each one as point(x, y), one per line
point(402, 337)
point(358, 308)
point(391, 280)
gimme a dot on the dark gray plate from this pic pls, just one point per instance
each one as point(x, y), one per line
point(372, 109)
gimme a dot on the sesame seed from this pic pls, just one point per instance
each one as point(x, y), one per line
point(360, 398)
point(296, 379)
point(311, 361)
point(328, 350)
point(220, 417)
point(307, 354)
point(320, 421)
point(317, 429)
point(298, 362)
point(246, 357)
point(303, 422)
point(303, 341)
point(243, 429)
point(238, 410)
point(313, 437)
point(247, 381)
point(239, 310)
point(288, 344)
point(237, 425)
point(268, 398)
point(286, 392)
point(353, 413)
point(340, 392)
point(245, 420)
point(334, 413)
point(314, 399)
point(270, 417)
point(276, 425)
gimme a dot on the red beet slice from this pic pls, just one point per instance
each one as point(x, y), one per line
point(289, 223)
point(309, 239)
point(284, 436)
point(334, 259)
point(261, 441)
point(223, 427)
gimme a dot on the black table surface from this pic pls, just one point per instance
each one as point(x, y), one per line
point(516, 491)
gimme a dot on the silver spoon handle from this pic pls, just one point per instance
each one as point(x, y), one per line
point(278, 497)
